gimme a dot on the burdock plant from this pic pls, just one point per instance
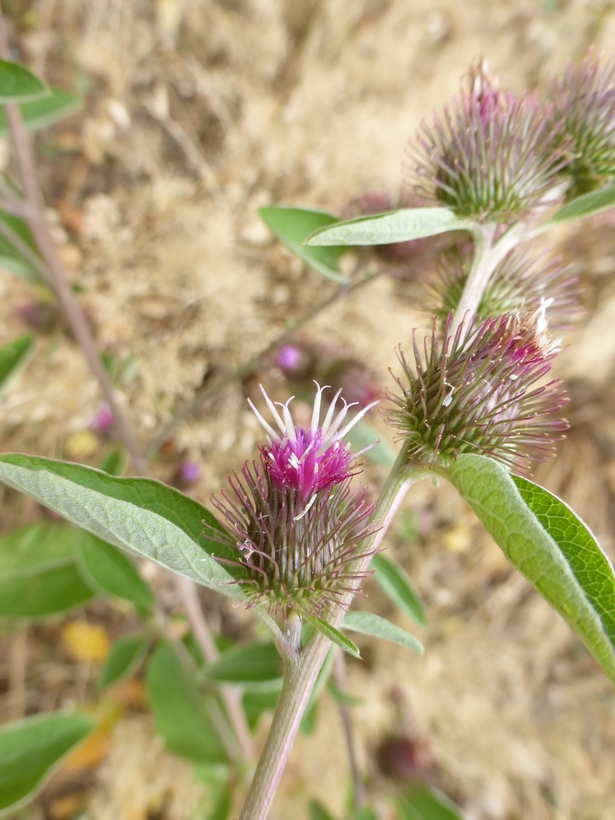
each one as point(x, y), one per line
point(294, 535)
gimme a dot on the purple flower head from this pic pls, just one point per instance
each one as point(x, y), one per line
point(103, 420)
point(311, 460)
point(482, 392)
point(189, 472)
point(584, 98)
point(491, 157)
point(289, 357)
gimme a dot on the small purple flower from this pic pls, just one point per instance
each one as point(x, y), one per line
point(289, 357)
point(309, 460)
point(103, 420)
point(477, 392)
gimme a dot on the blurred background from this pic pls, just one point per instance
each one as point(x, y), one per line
point(195, 114)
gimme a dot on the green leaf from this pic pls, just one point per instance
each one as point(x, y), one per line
point(318, 812)
point(334, 635)
point(247, 664)
point(222, 807)
point(255, 703)
point(369, 624)
point(180, 712)
point(10, 257)
point(308, 721)
point(32, 748)
point(18, 83)
point(14, 356)
point(293, 225)
point(364, 813)
point(114, 462)
point(549, 545)
point(125, 656)
point(39, 575)
point(395, 583)
point(395, 226)
point(362, 435)
point(140, 515)
point(113, 573)
point(428, 804)
point(45, 111)
point(585, 205)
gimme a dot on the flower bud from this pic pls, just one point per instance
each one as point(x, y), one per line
point(478, 392)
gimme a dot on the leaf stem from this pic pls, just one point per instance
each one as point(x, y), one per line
point(302, 667)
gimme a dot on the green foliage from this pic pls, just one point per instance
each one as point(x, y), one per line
point(113, 573)
point(428, 804)
point(39, 571)
point(334, 635)
point(318, 812)
point(125, 656)
point(362, 435)
point(369, 624)
point(52, 108)
point(17, 83)
point(32, 748)
point(549, 545)
point(585, 205)
point(14, 356)
point(10, 257)
point(181, 713)
point(140, 515)
point(293, 225)
point(114, 462)
point(395, 583)
point(384, 229)
point(248, 664)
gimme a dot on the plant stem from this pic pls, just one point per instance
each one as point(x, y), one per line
point(302, 667)
point(210, 388)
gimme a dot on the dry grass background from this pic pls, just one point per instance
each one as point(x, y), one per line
point(196, 113)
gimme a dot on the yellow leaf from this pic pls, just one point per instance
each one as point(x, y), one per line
point(85, 642)
point(89, 753)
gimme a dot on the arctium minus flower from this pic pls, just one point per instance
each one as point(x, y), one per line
point(492, 157)
point(292, 524)
point(481, 391)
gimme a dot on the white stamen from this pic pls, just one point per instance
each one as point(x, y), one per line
point(357, 418)
point(288, 420)
point(339, 419)
point(268, 428)
point(293, 461)
point(309, 506)
point(329, 416)
point(274, 412)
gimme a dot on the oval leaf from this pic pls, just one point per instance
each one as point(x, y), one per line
point(585, 205)
point(32, 748)
point(549, 545)
point(38, 571)
point(52, 108)
point(293, 225)
point(248, 663)
point(140, 515)
point(369, 624)
point(395, 226)
point(113, 573)
point(125, 656)
point(334, 635)
point(18, 83)
point(180, 712)
point(13, 357)
point(395, 583)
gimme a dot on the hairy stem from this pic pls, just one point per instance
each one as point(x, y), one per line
point(302, 667)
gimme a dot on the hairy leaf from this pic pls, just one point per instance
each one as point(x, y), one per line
point(293, 225)
point(247, 663)
point(334, 635)
point(32, 748)
point(585, 205)
point(369, 624)
point(395, 226)
point(113, 573)
point(549, 545)
point(395, 583)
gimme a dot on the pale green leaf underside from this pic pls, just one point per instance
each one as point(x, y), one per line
point(334, 635)
point(395, 226)
point(18, 83)
point(549, 545)
point(94, 501)
point(32, 748)
point(369, 624)
point(585, 205)
point(292, 225)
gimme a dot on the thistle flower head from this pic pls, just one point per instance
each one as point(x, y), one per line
point(313, 459)
point(519, 283)
point(584, 98)
point(479, 392)
point(491, 157)
point(293, 520)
